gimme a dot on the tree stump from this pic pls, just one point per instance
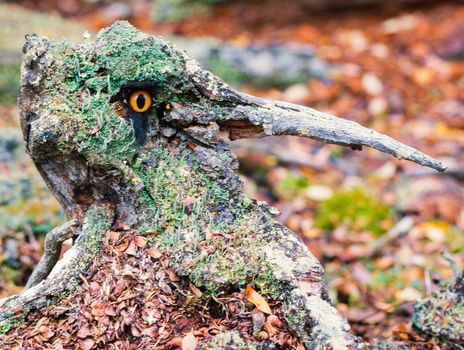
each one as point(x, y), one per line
point(131, 135)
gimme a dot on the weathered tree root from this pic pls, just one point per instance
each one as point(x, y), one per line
point(65, 276)
point(52, 249)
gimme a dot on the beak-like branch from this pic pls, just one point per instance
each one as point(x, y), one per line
point(280, 118)
point(251, 116)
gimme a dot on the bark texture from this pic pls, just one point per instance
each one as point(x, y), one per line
point(168, 170)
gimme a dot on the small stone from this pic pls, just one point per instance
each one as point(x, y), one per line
point(296, 93)
point(319, 192)
point(377, 106)
point(258, 321)
point(372, 84)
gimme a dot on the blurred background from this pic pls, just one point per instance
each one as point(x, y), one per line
point(388, 232)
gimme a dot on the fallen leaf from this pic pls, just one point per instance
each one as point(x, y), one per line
point(275, 321)
point(123, 246)
point(175, 342)
point(86, 344)
point(257, 300)
point(195, 290)
point(84, 331)
point(131, 249)
point(140, 241)
point(151, 332)
point(98, 310)
point(114, 236)
point(120, 286)
point(172, 275)
point(154, 253)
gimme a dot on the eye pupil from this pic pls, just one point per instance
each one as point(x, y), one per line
point(140, 101)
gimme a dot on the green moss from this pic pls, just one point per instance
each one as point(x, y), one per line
point(97, 223)
point(292, 185)
point(441, 316)
point(10, 324)
point(83, 81)
point(226, 71)
point(9, 83)
point(215, 247)
point(354, 208)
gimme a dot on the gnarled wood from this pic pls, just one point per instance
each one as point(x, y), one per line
point(167, 170)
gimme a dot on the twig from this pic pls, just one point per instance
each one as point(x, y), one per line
point(402, 227)
point(52, 249)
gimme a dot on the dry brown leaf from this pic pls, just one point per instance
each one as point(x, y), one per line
point(257, 300)
point(84, 331)
point(120, 286)
point(140, 241)
point(98, 310)
point(132, 249)
point(86, 344)
point(198, 293)
point(123, 246)
point(275, 321)
point(151, 332)
point(172, 275)
point(110, 311)
point(175, 342)
point(269, 328)
point(114, 236)
point(135, 332)
point(165, 262)
point(154, 253)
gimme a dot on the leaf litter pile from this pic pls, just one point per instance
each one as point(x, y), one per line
point(132, 299)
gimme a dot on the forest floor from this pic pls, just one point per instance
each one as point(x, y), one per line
point(387, 232)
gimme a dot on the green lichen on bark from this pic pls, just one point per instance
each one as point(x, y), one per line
point(228, 341)
point(96, 225)
point(218, 237)
point(81, 80)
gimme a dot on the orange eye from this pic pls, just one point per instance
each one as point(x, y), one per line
point(140, 101)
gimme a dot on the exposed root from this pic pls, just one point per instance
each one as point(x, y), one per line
point(316, 322)
point(52, 249)
point(65, 276)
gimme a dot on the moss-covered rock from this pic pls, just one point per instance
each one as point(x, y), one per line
point(228, 341)
point(441, 316)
